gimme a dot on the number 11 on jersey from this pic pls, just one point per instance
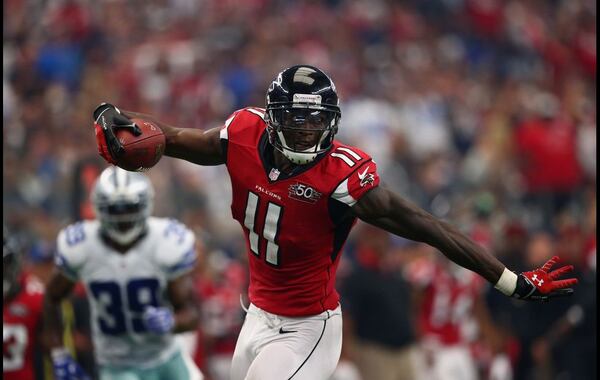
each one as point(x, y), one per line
point(270, 229)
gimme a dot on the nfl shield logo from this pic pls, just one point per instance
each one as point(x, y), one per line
point(274, 174)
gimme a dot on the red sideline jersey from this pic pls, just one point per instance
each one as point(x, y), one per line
point(21, 318)
point(295, 225)
point(450, 292)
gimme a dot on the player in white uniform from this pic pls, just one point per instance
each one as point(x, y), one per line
point(136, 271)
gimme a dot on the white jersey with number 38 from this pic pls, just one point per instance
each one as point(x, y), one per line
point(120, 286)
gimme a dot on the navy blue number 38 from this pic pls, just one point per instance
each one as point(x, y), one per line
point(140, 293)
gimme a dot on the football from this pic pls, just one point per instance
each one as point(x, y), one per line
point(143, 151)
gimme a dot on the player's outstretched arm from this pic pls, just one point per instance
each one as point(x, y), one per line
point(389, 211)
point(59, 287)
point(63, 364)
point(184, 317)
point(194, 145)
point(183, 298)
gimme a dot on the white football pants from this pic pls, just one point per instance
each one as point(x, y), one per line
point(273, 347)
point(449, 363)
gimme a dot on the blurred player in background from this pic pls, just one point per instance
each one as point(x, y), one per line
point(379, 332)
point(219, 283)
point(136, 270)
point(297, 193)
point(22, 299)
point(451, 315)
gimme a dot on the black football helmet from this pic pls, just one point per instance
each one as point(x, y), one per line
point(302, 113)
point(11, 264)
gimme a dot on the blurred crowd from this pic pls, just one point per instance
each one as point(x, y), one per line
point(480, 111)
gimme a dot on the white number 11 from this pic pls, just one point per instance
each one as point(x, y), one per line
point(270, 228)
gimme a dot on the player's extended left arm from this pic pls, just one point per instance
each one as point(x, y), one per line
point(58, 289)
point(184, 301)
point(389, 211)
point(64, 366)
point(183, 317)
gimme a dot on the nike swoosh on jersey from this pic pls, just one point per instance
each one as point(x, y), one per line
point(362, 175)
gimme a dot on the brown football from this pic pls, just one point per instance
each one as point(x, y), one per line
point(144, 151)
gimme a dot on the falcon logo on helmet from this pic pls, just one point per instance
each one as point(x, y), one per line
point(302, 113)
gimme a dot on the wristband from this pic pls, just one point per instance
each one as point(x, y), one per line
point(59, 353)
point(507, 283)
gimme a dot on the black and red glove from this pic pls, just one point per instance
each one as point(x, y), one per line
point(107, 118)
point(541, 284)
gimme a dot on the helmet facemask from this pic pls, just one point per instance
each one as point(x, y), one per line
point(123, 202)
point(124, 220)
point(301, 132)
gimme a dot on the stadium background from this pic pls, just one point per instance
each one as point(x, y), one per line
point(481, 111)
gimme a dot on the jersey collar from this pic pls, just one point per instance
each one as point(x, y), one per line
point(266, 154)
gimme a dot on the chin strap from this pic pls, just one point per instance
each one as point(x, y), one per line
point(299, 161)
point(132, 235)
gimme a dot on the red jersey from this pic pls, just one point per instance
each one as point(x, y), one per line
point(548, 151)
point(220, 293)
point(295, 225)
point(450, 293)
point(21, 318)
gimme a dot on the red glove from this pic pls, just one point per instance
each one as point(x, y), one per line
point(106, 119)
point(541, 284)
point(102, 146)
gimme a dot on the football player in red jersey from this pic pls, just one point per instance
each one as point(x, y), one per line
point(450, 314)
point(297, 193)
point(21, 315)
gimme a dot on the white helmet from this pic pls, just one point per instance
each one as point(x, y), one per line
point(122, 201)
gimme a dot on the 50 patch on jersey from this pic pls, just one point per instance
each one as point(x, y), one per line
point(304, 193)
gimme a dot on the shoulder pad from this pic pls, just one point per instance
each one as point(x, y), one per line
point(240, 119)
point(71, 247)
point(260, 112)
point(175, 252)
point(349, 156)
point(356, 171)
